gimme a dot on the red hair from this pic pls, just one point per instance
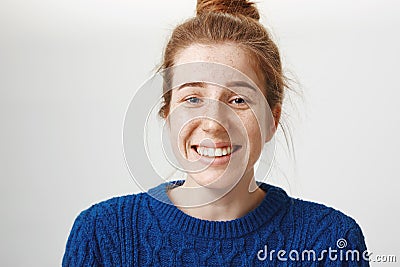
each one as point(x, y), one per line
point(229, 21)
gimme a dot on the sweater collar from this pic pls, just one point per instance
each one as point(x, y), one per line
point(273, 201)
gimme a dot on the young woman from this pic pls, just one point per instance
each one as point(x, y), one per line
point(224, 88)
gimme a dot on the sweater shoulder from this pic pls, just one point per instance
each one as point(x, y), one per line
point(321, 223)
point(119, 206)
point(317, 213)
point(99, 231)
point(109, 216)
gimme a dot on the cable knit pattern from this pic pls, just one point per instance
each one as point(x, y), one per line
point(139, 230)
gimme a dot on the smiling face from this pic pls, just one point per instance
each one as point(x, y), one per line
point(219, 125)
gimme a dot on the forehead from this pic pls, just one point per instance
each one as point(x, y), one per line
point(227, 54)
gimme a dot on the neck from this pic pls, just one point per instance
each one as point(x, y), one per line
point(241, 199)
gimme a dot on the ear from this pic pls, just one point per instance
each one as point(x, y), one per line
point(276, 113)
point(167, 122)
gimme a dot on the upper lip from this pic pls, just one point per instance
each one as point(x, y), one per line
point(219, 145)
point(214, 145)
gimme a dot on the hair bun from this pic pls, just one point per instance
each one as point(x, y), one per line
point(234, 7)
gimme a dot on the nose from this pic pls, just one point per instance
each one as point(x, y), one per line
point(216, 117)
point(211, 126)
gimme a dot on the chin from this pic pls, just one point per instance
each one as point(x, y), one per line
point(215, 180)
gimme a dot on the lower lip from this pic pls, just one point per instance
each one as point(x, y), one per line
point(215, 161)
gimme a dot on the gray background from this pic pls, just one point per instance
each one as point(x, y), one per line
point(68, 70)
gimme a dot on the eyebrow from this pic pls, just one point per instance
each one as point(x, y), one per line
point(192, 84)
point(241, 84)
point(229, 84)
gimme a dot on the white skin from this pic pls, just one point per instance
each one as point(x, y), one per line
point(238, 201)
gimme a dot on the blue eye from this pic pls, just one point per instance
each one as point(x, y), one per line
point(193, 100)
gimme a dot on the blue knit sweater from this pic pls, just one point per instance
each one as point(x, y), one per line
point(138, 230)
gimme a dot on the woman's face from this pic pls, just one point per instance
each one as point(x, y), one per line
point(221, 131)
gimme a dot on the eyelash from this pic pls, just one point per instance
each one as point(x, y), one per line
point(189, 100)
point(239, 98)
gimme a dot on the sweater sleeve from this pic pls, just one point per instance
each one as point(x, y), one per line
point(354, 246)
point(348, 248)
point(81, 248)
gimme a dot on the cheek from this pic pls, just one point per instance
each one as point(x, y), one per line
point(255, 139)
point(181, 128)
point(254, 135)
point(179, 143)
point(185, 132)
point(178, 120)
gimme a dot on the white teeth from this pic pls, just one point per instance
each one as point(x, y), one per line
point(213, 152)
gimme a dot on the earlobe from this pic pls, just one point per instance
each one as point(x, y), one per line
point(276, 113)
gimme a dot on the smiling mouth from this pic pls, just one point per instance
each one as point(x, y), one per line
point(212, 152)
